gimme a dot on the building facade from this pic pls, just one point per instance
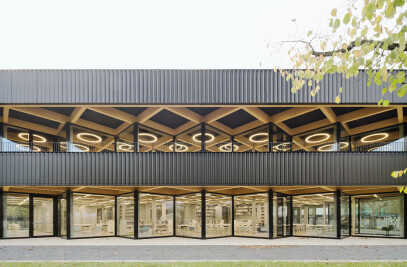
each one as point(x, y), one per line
point(197, 153)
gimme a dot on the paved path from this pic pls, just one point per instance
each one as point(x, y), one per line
point(174, 249)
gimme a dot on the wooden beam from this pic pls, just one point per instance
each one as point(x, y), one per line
point(219, 113)
point(361, 113)
point(78, 188)
point(284, 127)
point(122, 127)
point(115, 113)
point(95, 126)
point(160, 127)
point(247, 126)
point(311, 126)
point(222, 127)
point(374, 126)
point(32, 126)
point(6, 188)
point(258, 114)
point(348, 130)
point(186, 113)
point(291, 113)
point(328, 112)
point(43, 113)
point(148, 113)
point(76, 114)
point(400, 115)
point(185, 127)
point(5, 114)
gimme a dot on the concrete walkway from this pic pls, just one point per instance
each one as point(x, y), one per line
point(185, 249)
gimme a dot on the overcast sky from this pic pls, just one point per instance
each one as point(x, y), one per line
point(154, 33)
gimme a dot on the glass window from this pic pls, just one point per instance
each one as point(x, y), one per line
point(62, 215)
point(321, 140)
point(315, 215)
point(43, 223)
point(344, 215)
point(388, 139)
point(254, 140)
point(125, 215)
point(125, 140)
point(218, 215)
point(222, 142)
point(156, 215)
point(188, 215)
point(151, 140)
point(251, 215)
point(16, 215)
point(92, 215)
point(86, 140)
point(190, 140)
point(378, 215)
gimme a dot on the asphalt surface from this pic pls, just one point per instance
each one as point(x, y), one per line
point(201, 253)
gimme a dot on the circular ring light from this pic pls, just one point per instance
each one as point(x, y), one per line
point(85, 148)
point(324, 136)
point(282, 147)
point(25, 136)
point(211, 136)
point(27, 147)
point(125, 147)
point(96, 138)
point(178, 147)
point(329, 147)
point(259, 134)
point(383, 136)
point(149, 135)
point(228, 148)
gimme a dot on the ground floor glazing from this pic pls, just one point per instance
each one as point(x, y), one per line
point(264, 213)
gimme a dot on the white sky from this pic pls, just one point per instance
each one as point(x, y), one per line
point(170, 34)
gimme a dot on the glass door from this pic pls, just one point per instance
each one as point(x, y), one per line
point(283, 215)
point(43, 216)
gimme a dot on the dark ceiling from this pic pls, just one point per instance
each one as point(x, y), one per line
point(304, 119)
point(237, 119)
point(67, 111)
point(101, 119)
point(131, 110)
point(33, 119)
point(374, 118)
point(202, 111)
point(169, 119)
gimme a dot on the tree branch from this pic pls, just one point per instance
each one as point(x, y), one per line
point(351, 46)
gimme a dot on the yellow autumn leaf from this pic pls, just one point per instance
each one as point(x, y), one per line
point(337, 100)
point(333, 12)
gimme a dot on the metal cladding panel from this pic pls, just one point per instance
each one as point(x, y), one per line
point(177, 87)
point(134, 169)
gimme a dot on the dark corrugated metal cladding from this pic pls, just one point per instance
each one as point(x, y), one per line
point(200, 168)
point(177, 87)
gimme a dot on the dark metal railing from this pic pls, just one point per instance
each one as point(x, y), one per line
point(221, 147)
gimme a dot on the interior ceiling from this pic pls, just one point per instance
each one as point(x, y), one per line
point(174, 120)
point(178, 190)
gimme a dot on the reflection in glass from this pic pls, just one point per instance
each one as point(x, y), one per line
point(344, 215)
point(251, 215)
point(314, 215)
point(43, 223)
point(281, 215)
point(218, 215)
point(92, 215)
point(383, 140)
point(15, 215)
point(62, 215)
point(155, 214)
point(125, 215)
point(188, 215)
point(378, 215)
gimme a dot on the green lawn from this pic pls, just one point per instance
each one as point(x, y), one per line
point(203, 264)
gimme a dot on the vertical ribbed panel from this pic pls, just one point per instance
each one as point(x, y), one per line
point(176, 87)
point(200, 168)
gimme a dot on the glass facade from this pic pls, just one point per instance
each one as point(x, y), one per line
point(43, 224)
point(218, 215)
point(16, 215)
point(188, 215)
point(92, 215)
point(378, 215)
point(251, 215)
point(152, 215)
point(155, 214)
point(315, 215)
point(125, 215)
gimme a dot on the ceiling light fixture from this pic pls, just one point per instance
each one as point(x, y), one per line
point(25, 136)
point(383, 136)
point(125, 147)
point(228, 148)
point(78, 146)
point(282, 147)
point(330, 147)
point(27, 148)
point(261, 140)
point(97, 138)
point(324, 136)
point(178, 148)
point(211, 136)
point(154, 138)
